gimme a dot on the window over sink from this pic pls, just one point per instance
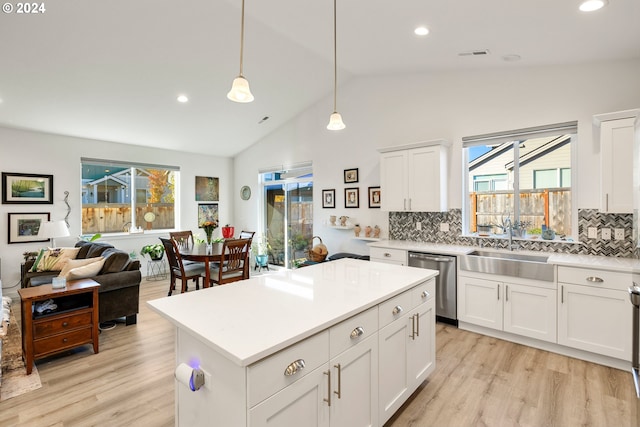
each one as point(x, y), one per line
point(524, 175)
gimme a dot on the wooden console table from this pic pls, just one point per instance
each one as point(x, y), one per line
point(73, 323)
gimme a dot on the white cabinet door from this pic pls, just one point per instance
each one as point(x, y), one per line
point(426, 167)
point(393, 181)
point(300, 404)
point(480, 302)
point(616, 162)
point(354, 383)
point(394, 382)
point(422, 347)
point(530, 311)
point(595, 319)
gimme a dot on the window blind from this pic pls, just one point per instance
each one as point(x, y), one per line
point(520, 134)
point(125, 164)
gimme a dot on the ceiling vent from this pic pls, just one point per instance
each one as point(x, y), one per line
point(475, 53)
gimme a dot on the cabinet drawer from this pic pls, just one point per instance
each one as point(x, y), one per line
point(596, 278)
point(266, 377)
point(423, 292)
point(346, 334)
point(388, 255)
point(63, 341)
point(388, 312)
point(49, 327)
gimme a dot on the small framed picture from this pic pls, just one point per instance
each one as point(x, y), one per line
point(329, 198)
point(350, 175)
point(24, 227)
point(374, 197)
point(352, 197)
point(27, 188)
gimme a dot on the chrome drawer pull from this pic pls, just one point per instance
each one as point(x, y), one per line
point(594, 279)
point(294, 367)
point(357, 332)
point(425, 294)
point(387, 254)
point(397, 310)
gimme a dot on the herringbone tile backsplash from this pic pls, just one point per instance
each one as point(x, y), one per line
point(402, 226)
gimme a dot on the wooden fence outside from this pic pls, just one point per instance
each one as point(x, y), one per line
point(551, 207)
point(116, 217)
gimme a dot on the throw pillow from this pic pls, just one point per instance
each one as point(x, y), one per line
point(75, 263)
point(54, 259)
point(89, 270)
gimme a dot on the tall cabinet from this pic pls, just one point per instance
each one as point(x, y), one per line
point(617, 133)
point(413, 177)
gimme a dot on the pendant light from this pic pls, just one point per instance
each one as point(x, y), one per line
point(240, 91)
point(335, 121)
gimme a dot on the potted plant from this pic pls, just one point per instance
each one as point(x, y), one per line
point(260, 248)
point(155, 252)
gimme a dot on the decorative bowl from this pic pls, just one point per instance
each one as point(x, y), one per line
point(548, 234)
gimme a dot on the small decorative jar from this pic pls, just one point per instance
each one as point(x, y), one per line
point(332, 219)
point(357, 229)
point(367, 231)
point(376, 232)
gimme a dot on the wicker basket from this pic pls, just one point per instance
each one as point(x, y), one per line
point(315, 257)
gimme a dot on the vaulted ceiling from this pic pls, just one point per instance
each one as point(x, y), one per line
point(112, 69)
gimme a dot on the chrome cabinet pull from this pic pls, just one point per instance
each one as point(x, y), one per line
point(387, 254)
point(594, 279)
point(339, 391)
point(417, 324)
point(506, 293)
point(413, 327)
point(498, 292)
point(357, 332)
point(294, 367)
point(404, 204)
point(409, 203)
point(561, 294)
point(397, 310)
point(328, 399)
point(424, 294)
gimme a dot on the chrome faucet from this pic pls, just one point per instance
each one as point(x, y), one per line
point(508, 227)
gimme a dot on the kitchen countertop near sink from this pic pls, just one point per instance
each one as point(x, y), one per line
point(626, 265)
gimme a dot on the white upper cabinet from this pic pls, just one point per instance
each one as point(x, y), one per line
point(414, 177)
point(616, 160)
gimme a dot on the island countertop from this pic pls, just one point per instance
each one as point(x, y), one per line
point(249, 320)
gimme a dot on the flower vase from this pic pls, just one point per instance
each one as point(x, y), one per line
point(209, 247)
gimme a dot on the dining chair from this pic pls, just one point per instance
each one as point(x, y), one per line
point(247, 235)
point(179, 270)
point(184, 239)
point(234, 265)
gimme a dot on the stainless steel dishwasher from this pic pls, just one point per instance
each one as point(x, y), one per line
point(446, 288)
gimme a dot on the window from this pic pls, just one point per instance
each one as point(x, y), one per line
point(523, 174)
point(119, 196)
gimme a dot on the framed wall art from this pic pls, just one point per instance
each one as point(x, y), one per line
point(329, 198)
point(352, 197)
point(207, 189)
point(374, 197)
point(207, 212)
point(24, 227)
point(350, 175)
point(27, 188)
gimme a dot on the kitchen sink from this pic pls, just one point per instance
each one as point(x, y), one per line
point(509, 264)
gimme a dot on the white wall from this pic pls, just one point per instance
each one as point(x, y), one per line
point(40, 153)
point(392, 110)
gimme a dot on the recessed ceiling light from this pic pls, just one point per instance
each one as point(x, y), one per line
point(183, 98)
point(421, 31)
point(591, 5)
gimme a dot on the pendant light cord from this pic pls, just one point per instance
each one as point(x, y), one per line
point(242, 39)
point(335, 59)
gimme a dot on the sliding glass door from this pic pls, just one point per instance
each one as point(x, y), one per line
point(288, 215)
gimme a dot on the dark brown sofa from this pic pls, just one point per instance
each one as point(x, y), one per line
point(119, 280)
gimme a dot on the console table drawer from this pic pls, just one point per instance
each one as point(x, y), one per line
point(62, 341)
point(62, 324)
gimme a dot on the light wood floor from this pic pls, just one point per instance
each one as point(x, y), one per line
point(479, 381)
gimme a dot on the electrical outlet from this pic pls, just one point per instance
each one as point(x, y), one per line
point(444, 226)
point(606, 234)
point(592, 232)
point(418, 225)
point(618, 233)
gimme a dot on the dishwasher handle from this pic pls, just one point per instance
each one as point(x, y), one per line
point(431, 257)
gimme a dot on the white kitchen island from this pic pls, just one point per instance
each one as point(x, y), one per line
point(340, 343)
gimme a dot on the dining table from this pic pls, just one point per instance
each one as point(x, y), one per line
point(200, 253)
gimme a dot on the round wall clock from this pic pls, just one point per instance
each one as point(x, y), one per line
point(245, 192)
point(149, 217)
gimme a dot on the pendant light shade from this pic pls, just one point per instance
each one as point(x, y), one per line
point(335, 121)
point(240, 91)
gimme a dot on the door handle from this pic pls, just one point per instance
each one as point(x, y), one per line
point(328, 398)
point(339, 391)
